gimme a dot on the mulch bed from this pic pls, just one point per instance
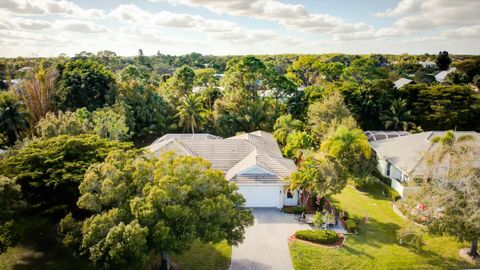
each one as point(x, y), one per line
point(464, 254)
point(339, 243)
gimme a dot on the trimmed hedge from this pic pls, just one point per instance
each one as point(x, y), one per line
point(391, 194)
point(317, 236)
point(297, 210)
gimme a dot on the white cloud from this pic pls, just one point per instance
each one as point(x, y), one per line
point(49, 7)
point(290, 15)
point(80, 26)
point(429, 14)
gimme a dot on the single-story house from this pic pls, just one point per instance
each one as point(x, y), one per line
point(252, 160)
point(402, 82)
point(402, 158)
point(442, 75)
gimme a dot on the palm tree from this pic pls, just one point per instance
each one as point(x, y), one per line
point(285, 125)
point(397, 116)
point(446, 146)
point(191, 113)
point(12, 115)
point(350, 147)
point(344, 143)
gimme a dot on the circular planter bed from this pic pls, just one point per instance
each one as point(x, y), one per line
point(464, 254)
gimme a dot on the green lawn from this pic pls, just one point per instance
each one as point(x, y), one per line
point(205, 257)
point(376, 246)
point(41, 248)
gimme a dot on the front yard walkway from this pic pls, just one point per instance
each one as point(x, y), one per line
point(266, 245)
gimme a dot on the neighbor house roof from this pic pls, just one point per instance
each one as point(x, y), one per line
point(253, 157)
point(402, 82)
point(376, 135)
point(407, 152)
point(440, 77)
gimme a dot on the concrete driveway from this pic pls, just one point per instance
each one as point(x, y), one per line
point(266, 242)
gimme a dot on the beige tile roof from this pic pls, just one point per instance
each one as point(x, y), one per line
point(233, 155)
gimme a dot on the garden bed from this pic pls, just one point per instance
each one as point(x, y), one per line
point(340, 241)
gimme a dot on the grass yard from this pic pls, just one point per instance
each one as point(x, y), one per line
point(205, 257)
point(40, 248)
point(376, 246)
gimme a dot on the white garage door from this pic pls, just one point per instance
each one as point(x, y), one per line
point(258, 196)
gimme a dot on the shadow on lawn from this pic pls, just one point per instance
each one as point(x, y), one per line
point(45, 251)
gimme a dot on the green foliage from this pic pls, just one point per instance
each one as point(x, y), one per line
point(397, 116)
point(391, 194)
point(297, 210)
point(146, 110)
point(326, 115)
point(84, 83)
point(297, 143)
point(364, 68)
point(284, 125)
point(443, 60)
point(191, 113)
point(50, 170)
point(13, 116)
point(143, 206)
point(317, 236)
point(351, 225)
point(64, 123)
point(10, 202)
point(317, 174)
point(111, 123)
point(411, 235)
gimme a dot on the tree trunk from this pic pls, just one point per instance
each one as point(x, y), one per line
point(165, 262)
point(193, 129)
point(473, 248)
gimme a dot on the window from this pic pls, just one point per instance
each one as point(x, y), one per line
point(388, 168)
point(289, 195)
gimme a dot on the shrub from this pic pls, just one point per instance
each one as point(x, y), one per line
point(351, 226)
point(297, 210)
point(318, 236)
point(411, 235)
point(391, 194)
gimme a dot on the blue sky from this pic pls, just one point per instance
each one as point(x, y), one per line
point(51, 27)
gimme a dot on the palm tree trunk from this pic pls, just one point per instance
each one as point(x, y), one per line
point(193, 129)
point(473, 248)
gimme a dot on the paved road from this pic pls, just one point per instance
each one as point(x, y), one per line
point(266, 242)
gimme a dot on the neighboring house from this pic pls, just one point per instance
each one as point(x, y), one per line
point(427, 64)
point(442, 75)
point(252, 160)
point(402, 158)
point(402, 82)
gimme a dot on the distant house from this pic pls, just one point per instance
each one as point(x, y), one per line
point(252, 160)
point(442, 75)
point(402, 82)
point(427, 64)
point(402, 158)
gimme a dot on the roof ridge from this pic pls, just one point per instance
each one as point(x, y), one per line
point(184, 146)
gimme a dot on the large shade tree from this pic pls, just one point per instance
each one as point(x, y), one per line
point(143, 207)
point(13, 116)
point(84, 83)
point(50, 170)
point(451, 189)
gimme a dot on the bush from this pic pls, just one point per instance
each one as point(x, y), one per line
point(391, 194)
point(351, 226)
point(318, 236)
point(297, 210)
point(411, 235)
